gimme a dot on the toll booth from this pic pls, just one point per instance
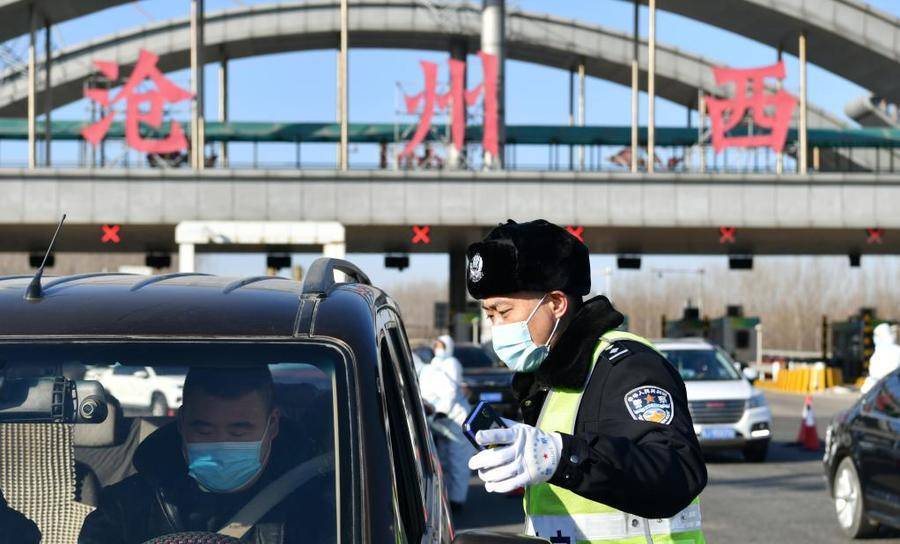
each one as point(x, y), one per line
point(735, 333)
point(689, 326)
point(852, 344)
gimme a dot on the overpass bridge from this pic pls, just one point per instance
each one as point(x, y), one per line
point(621, 213)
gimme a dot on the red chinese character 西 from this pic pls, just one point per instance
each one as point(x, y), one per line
point(457, 98)
point(166, 92)
point(771, 110)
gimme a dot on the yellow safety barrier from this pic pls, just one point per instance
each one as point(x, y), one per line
point(804, 379)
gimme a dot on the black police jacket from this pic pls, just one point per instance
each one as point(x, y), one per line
point(615, 456)
point(162, 499)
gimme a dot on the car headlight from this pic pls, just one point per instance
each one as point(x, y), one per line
point(758, 400)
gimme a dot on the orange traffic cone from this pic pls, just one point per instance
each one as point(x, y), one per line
point(808, 437)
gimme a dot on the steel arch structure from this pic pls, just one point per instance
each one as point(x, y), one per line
point(842, 33)
point(406, 24)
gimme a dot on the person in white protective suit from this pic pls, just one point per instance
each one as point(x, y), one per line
point(886, 357)
point(441, 385)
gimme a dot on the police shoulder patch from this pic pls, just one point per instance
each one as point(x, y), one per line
point(650, 403)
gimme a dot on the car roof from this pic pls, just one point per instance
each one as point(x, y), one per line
point(179, 304)
point(672, 344)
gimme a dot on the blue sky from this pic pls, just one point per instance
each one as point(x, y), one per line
point(300, 87)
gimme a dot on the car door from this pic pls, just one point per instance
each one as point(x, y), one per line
point(878, 444)
point(419, 492)
point(421, 433)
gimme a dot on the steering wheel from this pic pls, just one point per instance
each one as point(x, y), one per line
point(194, 537)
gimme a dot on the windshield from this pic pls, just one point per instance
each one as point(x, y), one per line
point(702, 364)
point(240, 417)
point(472, 357)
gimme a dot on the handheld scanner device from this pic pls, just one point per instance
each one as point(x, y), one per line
point(483, 417)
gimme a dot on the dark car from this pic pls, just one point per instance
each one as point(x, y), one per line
point(361, 462)
point(862, 460)
point(485, 378)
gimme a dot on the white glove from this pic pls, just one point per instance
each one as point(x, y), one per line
point(524, 456)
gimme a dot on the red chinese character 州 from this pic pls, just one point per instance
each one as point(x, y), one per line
point(771, 110)
point(166, 92)
point(457, 97)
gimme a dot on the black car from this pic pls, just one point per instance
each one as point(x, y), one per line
point(862, 460)
point(343, 381)
point(484, 377)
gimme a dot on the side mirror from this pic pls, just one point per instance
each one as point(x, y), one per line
point(491, 537)
point(142, 374)
point(751, 374)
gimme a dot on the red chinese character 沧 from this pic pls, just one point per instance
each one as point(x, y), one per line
point(457, 97)
point(771, 110)
point(166, 92)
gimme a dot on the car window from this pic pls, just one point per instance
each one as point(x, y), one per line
point(170, 370)
point(701, 364)
point(407, 468)
point(412, 396)
point(126, 370)
point(306, 384)
point(886, 400)
point(472, 357)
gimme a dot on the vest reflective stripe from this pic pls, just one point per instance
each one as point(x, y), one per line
point(553, 511)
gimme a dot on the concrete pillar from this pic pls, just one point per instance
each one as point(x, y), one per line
point(343, 161)
point(223, 104)
point(779, 158)
point(457, 284)
point(48, 93)
point(701, 126)
point(32, 89)
point(335, 250)
point(456, 159)
point(186, 258)
point(651, 90)
point(634, 89)
point(802, 153)
point(197, 84)
point(493, 41)
point(581, 109)
point(571, 114)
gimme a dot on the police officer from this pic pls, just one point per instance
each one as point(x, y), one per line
point(607, 451)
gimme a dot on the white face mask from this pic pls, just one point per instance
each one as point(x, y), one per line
point(513, 344)
point(439, 352)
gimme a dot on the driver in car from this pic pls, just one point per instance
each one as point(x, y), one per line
point(228, 443)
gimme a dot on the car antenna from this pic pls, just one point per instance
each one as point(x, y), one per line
point(33, 292)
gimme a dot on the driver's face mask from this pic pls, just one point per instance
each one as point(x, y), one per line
point(224, 467)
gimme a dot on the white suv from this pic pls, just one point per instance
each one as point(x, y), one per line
point(728, 412)
point(156, 390)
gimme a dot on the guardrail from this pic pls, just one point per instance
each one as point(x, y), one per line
point(803, 378)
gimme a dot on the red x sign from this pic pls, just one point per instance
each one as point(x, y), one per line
point(421, 234)
point(726, 235)
point(110, 234)
point(874, 236)
point(577, 231)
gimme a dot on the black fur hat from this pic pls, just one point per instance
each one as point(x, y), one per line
point(532, 256)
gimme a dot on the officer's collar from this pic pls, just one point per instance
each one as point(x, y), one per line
point(569, 362)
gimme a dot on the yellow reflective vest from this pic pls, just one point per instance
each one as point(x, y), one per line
point(564, 517)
